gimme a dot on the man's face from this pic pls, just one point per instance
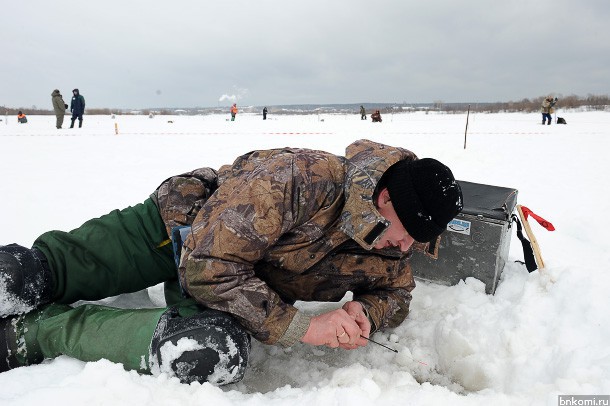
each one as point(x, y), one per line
point(395, 235)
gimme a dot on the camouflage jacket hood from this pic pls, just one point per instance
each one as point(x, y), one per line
point(366, 162)
point(283, 225)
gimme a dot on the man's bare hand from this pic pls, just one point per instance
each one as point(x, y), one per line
point(355, 310)
point(339, 328)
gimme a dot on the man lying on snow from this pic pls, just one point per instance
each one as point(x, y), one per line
point(274, 227)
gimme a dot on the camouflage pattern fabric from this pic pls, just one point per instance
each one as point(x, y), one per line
point(547, 106)
point(289, 224)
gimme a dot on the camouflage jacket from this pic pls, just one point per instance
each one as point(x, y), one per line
point(547, 106)
point(289, 224)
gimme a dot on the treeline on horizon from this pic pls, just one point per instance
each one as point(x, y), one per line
point(592, 102)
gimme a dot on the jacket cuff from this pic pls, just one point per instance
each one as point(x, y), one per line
point(296, 330)
point(365, 309)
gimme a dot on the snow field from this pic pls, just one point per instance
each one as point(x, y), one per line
point(541, 334)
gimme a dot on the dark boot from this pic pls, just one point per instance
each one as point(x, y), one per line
point(72, 123)
point(8, 344)
point(211, 347)
point(25, 280)
point(14, 350)
point(202, 346)
point(80, 123)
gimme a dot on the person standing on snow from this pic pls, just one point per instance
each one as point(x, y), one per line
point(362, 113)
point(77, 107)
point(264, 113)
point(547, 108)
point(233, 111)
point(59, 106)
point(236, 248)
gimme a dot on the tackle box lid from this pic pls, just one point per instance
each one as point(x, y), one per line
point(489, 201)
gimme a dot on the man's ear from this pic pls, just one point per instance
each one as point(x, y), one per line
point(383, 198)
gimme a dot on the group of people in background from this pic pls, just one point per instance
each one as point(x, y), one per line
point(548, 105)
point(234, 112)
point(375, 117)
point(77, 108)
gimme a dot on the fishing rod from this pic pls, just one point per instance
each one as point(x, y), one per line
point(391, 349)
point(375, 342)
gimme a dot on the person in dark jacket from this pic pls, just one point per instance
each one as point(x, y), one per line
point(77, 107)
point(236, 247)
point(59, 106)
point(362, 113)
point(264, 113)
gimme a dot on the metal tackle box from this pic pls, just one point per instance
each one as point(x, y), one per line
point(475, 243)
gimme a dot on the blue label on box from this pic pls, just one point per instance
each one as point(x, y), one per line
point(459, 226)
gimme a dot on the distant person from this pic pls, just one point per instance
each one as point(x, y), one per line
point(376, 117)
point(21, 118)
point(233, 111)
point(77, 107)
point(362, 113)
point(547, 109)
point(264, 113)
point(59, 106)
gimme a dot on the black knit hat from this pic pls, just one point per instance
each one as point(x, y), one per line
point(425, 196)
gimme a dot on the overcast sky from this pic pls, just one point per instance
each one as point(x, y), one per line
point(139, 54)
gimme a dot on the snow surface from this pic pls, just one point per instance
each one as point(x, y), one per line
point(541, 334)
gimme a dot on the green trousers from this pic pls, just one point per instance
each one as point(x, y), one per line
point(88, 333)
point(121, 252)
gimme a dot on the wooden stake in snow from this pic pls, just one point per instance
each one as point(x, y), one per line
point(533, 241)
point(466, 130)
point(116, 128)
